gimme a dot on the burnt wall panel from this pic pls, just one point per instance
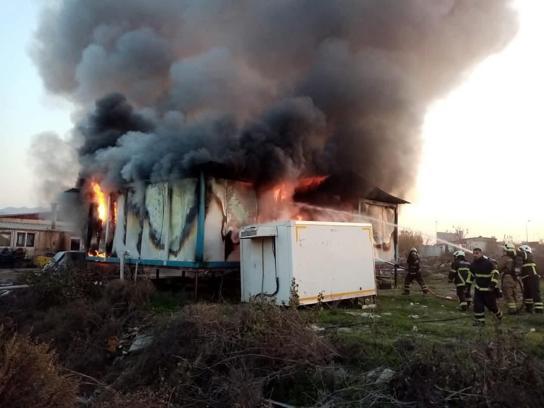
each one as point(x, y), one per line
point(155, 222)
point(133, 226)
point(230, 205)
point(120, 228)
point(383, 225)
point(183, 219)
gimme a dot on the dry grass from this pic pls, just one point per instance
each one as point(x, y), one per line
point(488, 373)
point(31, 377)
point(218, 355)
point(80, 327)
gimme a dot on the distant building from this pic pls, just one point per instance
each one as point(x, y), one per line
point(487, 244)
point(33, 234)
point(449, 241)
point(37, 234)
point(431, 251)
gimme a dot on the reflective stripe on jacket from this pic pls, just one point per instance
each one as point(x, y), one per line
point(529, 267)
point(485, 274)
point(460, 272)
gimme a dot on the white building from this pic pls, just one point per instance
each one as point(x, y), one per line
point(37, 234)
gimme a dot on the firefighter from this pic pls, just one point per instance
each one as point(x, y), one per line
point(507, 269)
point(530, 279)
point(461, 276)
point(486, 290)
point(414, 272)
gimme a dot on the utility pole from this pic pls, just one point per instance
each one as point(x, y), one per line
point(527, 231)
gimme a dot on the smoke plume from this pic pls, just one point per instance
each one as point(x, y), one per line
point(258, 89)
point(54, 163)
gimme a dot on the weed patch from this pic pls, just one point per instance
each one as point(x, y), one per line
point(31, 377)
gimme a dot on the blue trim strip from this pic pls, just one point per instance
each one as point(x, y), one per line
point(199, 250)
point(174, 264)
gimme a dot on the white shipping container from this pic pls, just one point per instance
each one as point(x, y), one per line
point(321, 261)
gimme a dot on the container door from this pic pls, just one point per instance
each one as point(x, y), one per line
point(260, 268)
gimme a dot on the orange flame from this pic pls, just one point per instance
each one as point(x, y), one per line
point(100, 200)
point(281, 193)
point(309, 183)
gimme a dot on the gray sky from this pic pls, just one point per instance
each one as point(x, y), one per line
point(25, 109)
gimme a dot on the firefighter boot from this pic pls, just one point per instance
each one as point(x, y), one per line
point(512, 308)
point(528, 305)
point(498, 315)
point(479, 319)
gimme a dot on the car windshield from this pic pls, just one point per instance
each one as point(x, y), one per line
point(58, 256)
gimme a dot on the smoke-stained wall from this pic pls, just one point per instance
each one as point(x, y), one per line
point(166, 231)
point(169, 219)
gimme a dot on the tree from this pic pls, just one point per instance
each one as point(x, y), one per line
point(409, 239)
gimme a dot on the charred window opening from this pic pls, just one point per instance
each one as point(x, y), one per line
point(75, 244)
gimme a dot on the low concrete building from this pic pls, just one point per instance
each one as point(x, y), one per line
point(35, 234)
point(487, 244)
point(448, 242)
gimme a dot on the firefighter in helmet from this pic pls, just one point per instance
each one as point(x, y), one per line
point(507, 269)
point(414, 272)
point(461, 276)
point(486, 291)
point(530, 279)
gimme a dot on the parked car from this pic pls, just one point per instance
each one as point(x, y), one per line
point(13, 258)
point(66, 260)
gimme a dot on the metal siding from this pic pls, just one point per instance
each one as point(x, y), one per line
point(170, 264)
point(118, 247)
point(133, 226)
point(231, 205)
point(332, 259)
point(200, 235)
point(154, 228)
point(171, 214)
point(183, 225)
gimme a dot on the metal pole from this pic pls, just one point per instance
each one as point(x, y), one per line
point(396, 244)
point(199, 250)
point(166, 219)
point(122, 267)
point(106, 235)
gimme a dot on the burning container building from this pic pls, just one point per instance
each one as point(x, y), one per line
point(193, 223)
point(301, 90)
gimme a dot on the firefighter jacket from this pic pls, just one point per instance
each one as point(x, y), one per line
point(460, 272)
point(529, 267)
point(507, 265)
point(485, 274)
point(413, 263)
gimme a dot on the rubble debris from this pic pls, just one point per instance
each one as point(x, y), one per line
point(380, 375)
point(140, 342)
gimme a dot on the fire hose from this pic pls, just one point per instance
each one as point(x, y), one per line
point(428, 288)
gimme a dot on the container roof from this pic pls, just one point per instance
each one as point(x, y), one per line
point(347, 187)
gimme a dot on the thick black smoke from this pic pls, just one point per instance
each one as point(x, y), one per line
point(261, 89)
